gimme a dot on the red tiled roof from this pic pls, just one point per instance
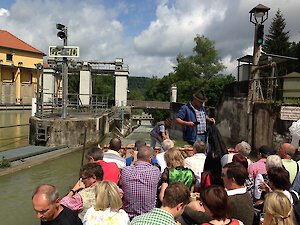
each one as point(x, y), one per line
point(10, 41)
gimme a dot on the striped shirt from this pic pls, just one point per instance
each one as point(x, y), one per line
point(139, 183)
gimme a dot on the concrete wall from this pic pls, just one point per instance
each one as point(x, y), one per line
point(71, 131)
point(121, 87)
point(231, 120)
point(85, 86)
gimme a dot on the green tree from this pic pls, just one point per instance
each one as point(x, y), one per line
point(277, 41)
point(136, 94)
point(294, 65)
point(191, 73)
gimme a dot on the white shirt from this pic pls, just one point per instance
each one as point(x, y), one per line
point(196, 164)
point(161, 161)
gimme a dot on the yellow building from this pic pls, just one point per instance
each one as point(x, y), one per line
point(18, 69)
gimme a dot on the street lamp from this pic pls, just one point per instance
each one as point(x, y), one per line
point(63, 35)
point(258, 15)
point(259, 12)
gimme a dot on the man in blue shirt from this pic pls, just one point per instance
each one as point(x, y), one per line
point(192, 117)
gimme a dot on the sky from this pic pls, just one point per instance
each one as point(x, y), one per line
point(147, 34)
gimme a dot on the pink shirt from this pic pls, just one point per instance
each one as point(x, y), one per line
point(258, 167)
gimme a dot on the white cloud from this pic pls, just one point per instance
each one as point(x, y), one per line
point(175, 27)
point(4, 12)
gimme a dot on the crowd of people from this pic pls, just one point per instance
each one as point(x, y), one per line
point(172, 188)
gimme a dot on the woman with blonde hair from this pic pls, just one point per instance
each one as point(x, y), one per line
point(107, 210)
point(176, 172)
point(278, 209)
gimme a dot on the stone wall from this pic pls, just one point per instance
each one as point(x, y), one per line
point(71, 131)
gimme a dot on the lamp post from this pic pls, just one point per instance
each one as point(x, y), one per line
point(63, 35)
point(258, 15)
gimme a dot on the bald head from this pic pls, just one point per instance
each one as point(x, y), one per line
point(46, 202)
point(48, 191)
point(144, 154)
point(287, 150)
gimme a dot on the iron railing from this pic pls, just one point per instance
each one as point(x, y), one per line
point(49, 104)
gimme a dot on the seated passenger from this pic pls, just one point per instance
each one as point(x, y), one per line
point(107, 209)
point(82, 195)
point(110, 169)
point(48, 208)
point(176, 172)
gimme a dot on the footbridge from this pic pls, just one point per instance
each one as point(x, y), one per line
point(138, 104)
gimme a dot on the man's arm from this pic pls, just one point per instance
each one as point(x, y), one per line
point(73, 199)
point(210, 119)
point(184, 123)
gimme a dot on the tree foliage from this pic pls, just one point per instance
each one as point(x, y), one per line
point(277, 41)
point(295, 52)
point(198, 71)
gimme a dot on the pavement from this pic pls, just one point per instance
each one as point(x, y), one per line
point(26, 152)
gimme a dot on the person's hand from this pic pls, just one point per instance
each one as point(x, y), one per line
point(177, 222)
point(212, 120)
point(265, 187)
point(78, 186)
point(190, 124)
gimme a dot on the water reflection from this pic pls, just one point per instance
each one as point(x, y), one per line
point(14, 137)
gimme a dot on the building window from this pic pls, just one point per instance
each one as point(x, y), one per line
point(8, 77)
point(26, 77)
point(9, 57)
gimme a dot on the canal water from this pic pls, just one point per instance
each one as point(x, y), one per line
point(17, 188)
point(15, 136)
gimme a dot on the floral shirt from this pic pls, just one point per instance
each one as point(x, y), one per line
point(106, 217)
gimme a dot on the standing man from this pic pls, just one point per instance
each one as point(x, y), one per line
point(175, 199)
point(192, 117)
point(160, 133)
point(46, 204)
point(139, 183)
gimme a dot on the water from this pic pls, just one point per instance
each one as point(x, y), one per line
point(14, 137)
point(17, 188)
